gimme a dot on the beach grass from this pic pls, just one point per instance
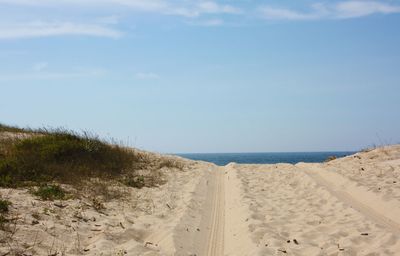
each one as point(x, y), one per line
point(46, 156)
point(8, 128)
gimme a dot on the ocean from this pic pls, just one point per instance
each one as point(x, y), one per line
point(264, 158)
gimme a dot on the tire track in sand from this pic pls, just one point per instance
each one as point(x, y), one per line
point(364, 201)
point(215, 241)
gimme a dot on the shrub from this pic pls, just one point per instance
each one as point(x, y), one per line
point(136, 182)
point(50, 192)
point(62, 156)
point(4, 204)
point(5, 180)
point(66, 157)
point(170, 163)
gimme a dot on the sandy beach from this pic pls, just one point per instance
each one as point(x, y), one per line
point(200, 128)
point(348, 206)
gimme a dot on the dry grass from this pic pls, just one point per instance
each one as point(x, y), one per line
point(63, 156)
point(330, 158)
point(14, 129)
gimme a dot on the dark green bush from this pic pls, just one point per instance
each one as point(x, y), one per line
point(4, 204)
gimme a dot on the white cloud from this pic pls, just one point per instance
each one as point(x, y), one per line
point(41, 29)
point(146, 76)
point(213, 7)
point(272, 13)
point(102, 26)
point(340, 10)
point(351, 9)
point(189, 8)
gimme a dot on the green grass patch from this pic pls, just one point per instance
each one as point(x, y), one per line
point(4, 209)
point(50, 192)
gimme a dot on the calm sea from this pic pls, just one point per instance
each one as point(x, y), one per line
point(264, 158)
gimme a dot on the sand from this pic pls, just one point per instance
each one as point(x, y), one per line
point(348, 206)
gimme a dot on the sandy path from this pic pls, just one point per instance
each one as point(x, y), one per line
point(222, 227)
point(237, 236)
point(217, 221)
point(215, 240)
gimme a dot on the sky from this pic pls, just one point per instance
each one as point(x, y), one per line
point(205, 76)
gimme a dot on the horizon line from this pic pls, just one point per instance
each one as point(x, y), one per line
point(269, 152)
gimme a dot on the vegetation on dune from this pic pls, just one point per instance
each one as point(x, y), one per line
point(62, 156)
point(50, 192)
point(4, 208)
point(4, 204)
point(7, 128)
point(330, 158)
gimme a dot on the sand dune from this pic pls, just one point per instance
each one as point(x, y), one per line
point(349, 206)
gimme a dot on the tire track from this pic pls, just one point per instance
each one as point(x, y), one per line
point(361, 200)
point(215, 241)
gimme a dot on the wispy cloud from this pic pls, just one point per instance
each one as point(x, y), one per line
point(41, 29)
point(273, 13)
point(105, 15)
point(353, 9)
point(42, 22)
point(213, 7)
point(339, 10)
point(182, 8)
point(191, 8)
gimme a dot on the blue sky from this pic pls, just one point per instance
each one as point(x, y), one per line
point(205, 76)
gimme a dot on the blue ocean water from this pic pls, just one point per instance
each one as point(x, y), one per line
point(264, 158)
